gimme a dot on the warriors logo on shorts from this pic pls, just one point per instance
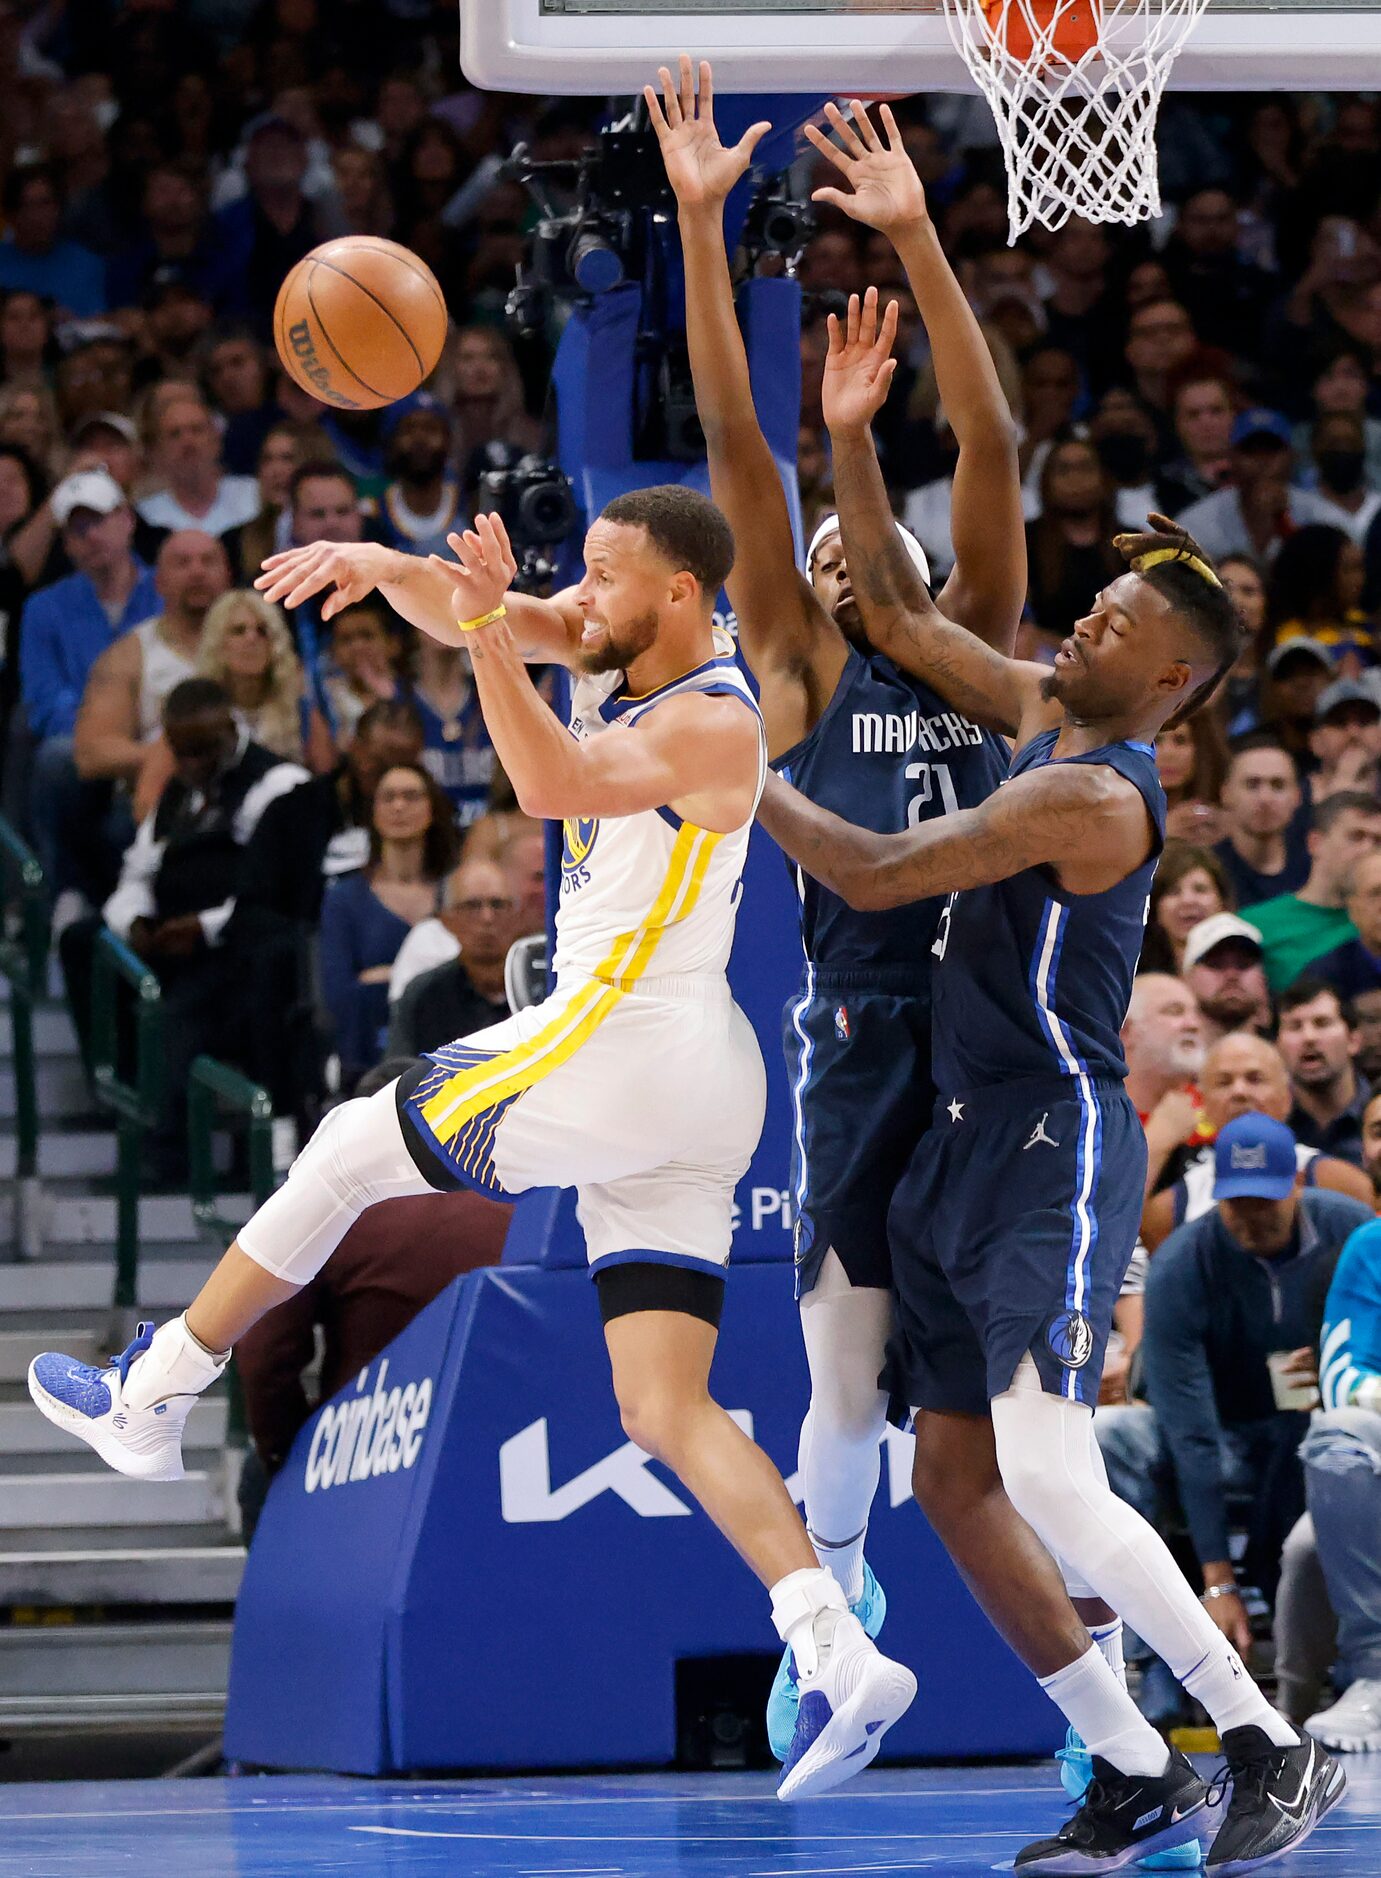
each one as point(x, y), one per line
point(1070, 1336)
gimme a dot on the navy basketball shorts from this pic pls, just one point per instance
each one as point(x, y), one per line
point(1012, 1231)
point(858, 1058)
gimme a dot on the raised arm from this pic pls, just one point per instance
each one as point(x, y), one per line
point(424, 592)
point(1056, 817)
point(787, 637)
point(987, 588)
point(697, 753)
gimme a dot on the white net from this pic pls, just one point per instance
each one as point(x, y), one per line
point(1075, 87)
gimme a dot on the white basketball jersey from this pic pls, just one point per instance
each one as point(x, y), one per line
point(648, 895)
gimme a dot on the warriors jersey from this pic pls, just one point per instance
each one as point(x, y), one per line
point(649, 895)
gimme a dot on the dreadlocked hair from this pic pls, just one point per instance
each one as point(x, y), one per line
point(1172, 562)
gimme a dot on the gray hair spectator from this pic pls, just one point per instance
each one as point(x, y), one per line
point(1163, 1042)
point(1297, 928)
point(1242, 1075)
point(1233, 1320)
point(1264, 849)
point(1318, 1047)
point(464, 993)
point(185, 452)
point(1223, 968)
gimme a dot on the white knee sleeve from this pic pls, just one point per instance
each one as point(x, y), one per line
point(845, 1329)
point(356, 1157)
point(1046, 1454)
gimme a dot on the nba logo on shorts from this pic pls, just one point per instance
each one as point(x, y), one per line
point(841, 1022)
point(1070, 1336)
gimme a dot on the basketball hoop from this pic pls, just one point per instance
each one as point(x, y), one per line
point(1075, 87)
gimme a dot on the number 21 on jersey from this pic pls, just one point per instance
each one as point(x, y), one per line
point(933, 778)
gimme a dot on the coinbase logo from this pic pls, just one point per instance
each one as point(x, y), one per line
point(369, 1434)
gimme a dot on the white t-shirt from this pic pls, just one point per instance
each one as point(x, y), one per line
point(237, 502)
point(428, 944)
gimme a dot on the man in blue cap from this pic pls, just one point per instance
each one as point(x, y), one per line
point(1230, 1297)
point(1254, 512)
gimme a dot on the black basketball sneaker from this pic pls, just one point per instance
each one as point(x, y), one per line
point(1279, 1795)
point(1123, 1818)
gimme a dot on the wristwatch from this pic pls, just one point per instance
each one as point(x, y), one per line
point(1219, 1591)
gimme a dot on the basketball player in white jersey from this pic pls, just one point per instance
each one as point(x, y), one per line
point(638, 1081)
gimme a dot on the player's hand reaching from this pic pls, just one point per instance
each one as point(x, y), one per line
point(884, 190)
point(350, 569)
point(699, 168)
point(859, 365)
point(484, 568)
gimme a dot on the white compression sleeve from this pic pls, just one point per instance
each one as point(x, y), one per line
point(845, 1328)
point(1045, 1448)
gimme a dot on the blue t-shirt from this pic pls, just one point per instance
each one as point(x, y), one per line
point(1351, 1347)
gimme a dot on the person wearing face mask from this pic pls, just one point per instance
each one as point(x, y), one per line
point(1127, 441)
point(1344, 496)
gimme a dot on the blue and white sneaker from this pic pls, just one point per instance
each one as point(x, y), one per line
point(870, 1608)
point(1076, 1771)
point(89, 1403)
point(845, 1709)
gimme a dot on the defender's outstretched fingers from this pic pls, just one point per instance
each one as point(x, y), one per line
point(822, 143)
point(844, 130)
point(864, 124)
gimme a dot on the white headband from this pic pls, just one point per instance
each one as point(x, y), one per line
point(830, 526)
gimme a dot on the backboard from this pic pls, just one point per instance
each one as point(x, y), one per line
point(875, 47)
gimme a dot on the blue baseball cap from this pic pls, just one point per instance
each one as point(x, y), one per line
point(1260, 422)
point(1254, 1158)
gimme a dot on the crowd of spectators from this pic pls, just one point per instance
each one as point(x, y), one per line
point(309, 814)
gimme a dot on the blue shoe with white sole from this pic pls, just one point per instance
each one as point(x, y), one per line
point(870, 1610)
point(145, 1443)
point(845, 1709)
point(1076, 1771)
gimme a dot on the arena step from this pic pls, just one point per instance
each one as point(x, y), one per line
point(149, 1575)
point(53, 1502)
point(54, 1032)
point(163, 1710)
point(62, 1090)
point(18, 1348)
point(65, 1154)
point(177, 1658)
point(24, 1433)
point(89, 1219)
point(61, 1286)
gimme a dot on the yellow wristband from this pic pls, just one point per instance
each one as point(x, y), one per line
point(485, 619)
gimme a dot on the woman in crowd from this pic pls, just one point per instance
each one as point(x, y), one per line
point(366, 916)
point(1069, 546)
point(1192, 760)
point(362, 666)
point(1238, 704)
point(1190, 884)
point(1315, 592)
point(29, 418)
point(247, 648)
point(26, 338)
point(487, 402)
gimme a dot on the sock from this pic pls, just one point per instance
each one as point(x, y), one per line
point(174, 1364)
point(1104, 1716)
point(844, 1559)
point(1221, 1682)
point(1108, 1637)
point(806, 1606)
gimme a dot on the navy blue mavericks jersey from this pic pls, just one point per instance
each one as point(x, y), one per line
point(1036, 982)
point(887, 754)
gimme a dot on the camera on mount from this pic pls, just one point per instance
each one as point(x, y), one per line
point(778, 223)
point(533, 495)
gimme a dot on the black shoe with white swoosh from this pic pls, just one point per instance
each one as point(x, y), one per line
point(1279, 1795)
point(1123, 1818)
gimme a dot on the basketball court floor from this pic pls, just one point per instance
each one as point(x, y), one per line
point(935, 1820)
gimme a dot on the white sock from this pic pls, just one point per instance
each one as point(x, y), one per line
point(845, 1560)
point(806, 1606)
point(1108, 1637)
point(175, 1363)
point(1223, 1684)
point(1104, 1716)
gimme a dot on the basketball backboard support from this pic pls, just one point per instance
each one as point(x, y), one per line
point(876, 47)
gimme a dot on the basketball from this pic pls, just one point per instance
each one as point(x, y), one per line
point(359, 322)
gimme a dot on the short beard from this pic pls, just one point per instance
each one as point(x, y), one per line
point(1050, 689)
point(619, 651)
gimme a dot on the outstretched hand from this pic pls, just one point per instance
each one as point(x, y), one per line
point(351, 569)
point(484, 568)
point(884, 190)
point(699, 168)
point(859, 366)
